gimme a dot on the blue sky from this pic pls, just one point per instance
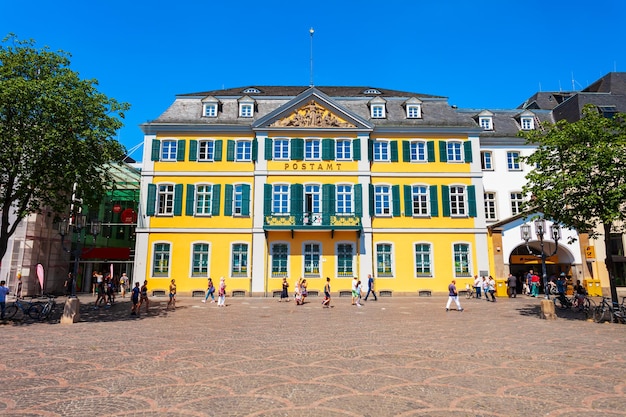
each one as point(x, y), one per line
point(488, 54)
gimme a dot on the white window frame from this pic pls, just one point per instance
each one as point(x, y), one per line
point(429, 261)
point(418, 151)
point(246, 110)
point(390, 261)
point(204, 259)
point(312, 149)
point(209, 110)
point(420, 201)
point(200, 198)
point(491, 208)
point(382, 200)
point(517, 200)
point(206, 150)
point(486, 122)
point(243, 147)
point(239, 272)
point(312, 259)
point(280, 199)
point(165, 199)
point(458, 200)
point(344, 199)
point(465, 261)
point(164, 260)
point(169, 148)
point(413, 111)
point(486, 160)
point(313, 216)
point(279, 273)
point(280, 151)
point(527, 123)
point(237, 199)
point(381, 151)
point(346, 274)
point(454, 151)
point(378, 111)
point(513, 160)
point(343, 149)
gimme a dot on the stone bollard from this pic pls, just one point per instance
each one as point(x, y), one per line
point(71, 312)
point(547, 310)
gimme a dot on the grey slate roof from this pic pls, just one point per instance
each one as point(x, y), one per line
point(292, 91)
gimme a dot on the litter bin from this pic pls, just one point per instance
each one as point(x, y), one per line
point(501, 288)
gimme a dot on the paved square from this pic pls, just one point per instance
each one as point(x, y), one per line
point(259, 357)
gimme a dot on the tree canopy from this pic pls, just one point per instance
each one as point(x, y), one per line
point(56, 130)
point(579, 177)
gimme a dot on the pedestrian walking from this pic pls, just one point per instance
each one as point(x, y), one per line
point(511, 283)
point(18, 289)
point(143, 297)
point(534, 285)
point(355, 294)
point(477, 286)
point(485, 285)
point(134, 298)
point(210, 292)
point(370, 287)
point(492, 288)
point(303, 290)
point(284, 295)
point(123, 284)
point(221, 293)
point(326, 302)
point(453, 295)
point(172, 300)
point(4, 291)
point(69, 282)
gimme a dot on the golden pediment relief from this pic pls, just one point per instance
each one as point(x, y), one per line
point(312, 115)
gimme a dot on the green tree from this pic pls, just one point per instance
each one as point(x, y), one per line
point(579, 178)
point(55, 130)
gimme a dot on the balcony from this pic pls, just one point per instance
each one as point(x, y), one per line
point(312, 221)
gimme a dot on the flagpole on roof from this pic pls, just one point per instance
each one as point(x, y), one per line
point(311, 31)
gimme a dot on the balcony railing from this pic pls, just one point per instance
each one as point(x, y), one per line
point(312, 221)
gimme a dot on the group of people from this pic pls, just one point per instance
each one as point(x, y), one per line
point(484, 285)
point(301, 292)
point(221, 292)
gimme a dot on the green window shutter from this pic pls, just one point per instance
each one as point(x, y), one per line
point(408, 201)
point(406, 151)
point(430, 148)
point(217, 151)
point(178, 199)
point(370, 150)
point(180, 150)
point(328, 149)
point(267, 199)
point(395, 200)
point(443, 151)
point(358, 200)
point(471, 200)
point(297, 200)
point(156, 150)
point(269, 149)
point(434, 203)
point(193, 150)
point(356, 149)
point(215, 200)
point(151, 202)
point(371, 200)
point(394, 150)
point(189, 208)
point(445, 200)
point(255, 150)
point(467, 148)
point(245, 200)
point(230, 150)
point(328, 202)
point(228, 201)
point(297, 149)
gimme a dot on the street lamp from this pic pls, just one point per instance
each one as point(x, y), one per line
point(79, 223)
point(540, 230)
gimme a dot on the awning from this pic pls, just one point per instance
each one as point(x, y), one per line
point(118, 254)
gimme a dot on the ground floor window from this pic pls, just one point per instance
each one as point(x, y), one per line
point(161, 260)
point(279, 260)
point(423, 260)
point(200, 260)
point(239, 267)
point(345, 258)
point(383, 260)
point(312, 260)
point(461, 260)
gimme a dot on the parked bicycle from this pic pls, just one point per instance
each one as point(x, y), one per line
point(607, 311)
point(48, 308)
point(28, 308)
point(469, 292)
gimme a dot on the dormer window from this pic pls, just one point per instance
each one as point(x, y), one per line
point(371, 91)
point(485, 119)
point(251, 90)
point(528, 123)
point(607, 111)
point(246, 107)
point(209, 107)
point(413, 107)
point(378, 108)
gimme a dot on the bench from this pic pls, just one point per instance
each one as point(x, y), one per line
point(424, 293)
point(238, 293)
point(198, 293)
point(158, 293)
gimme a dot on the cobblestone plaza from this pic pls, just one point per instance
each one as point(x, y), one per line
point(258, 357)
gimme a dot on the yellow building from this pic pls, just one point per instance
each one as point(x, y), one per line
point(260, 183)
